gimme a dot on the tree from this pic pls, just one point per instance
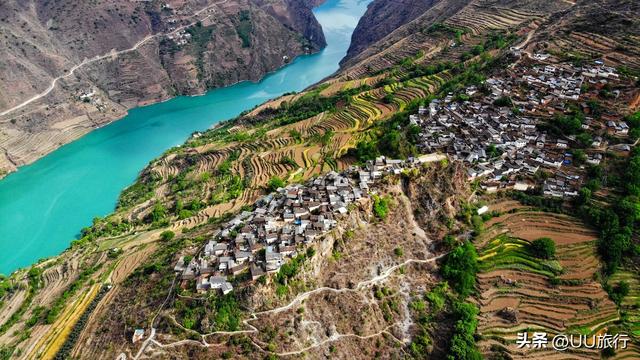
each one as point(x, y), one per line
point(167, 235)
point(381, 206)
point(543, 248)
point(618, 292)
point(504, 101)
point(275, 183)
point(584, 195)
point(579, 157)
point(460, 268)
point(366, 150)
point(159, 213)
point(584, 139)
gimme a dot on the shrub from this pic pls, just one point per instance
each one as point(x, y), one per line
point(381, 206)
point(167, 235)
point(274, 183)
point(398, 252)
point(618, 292)
point(543, 248)
point(460, 268)
point(503, 102)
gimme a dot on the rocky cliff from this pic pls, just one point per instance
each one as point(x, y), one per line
point(383, 17)
point(107, 57)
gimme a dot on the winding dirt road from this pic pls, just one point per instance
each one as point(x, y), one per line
point(112, 54)
point(297, 300)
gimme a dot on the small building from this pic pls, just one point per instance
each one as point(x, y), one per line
point(138, 335)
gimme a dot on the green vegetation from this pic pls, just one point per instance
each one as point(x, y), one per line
point(200, 37)
point(506, 252)
point(218, 313)
point(617, 223)
point(460, 267)
point(381, 206)
point(34, 277)
point(619, 292)
point(58, 305)
point(323, 139)
point(289, 270)
point(398, 252)
point(274, 183)
point(504, 101)
point(65, 350)
point(106, 227)
point(167, 235)
point(139, 192)
point(159, 215)
point(286, 160)
point(244, 27)
point(306, 106)
point(394, 138)
point(633, 121)
point(447, 29)
point(463, 343)
point(6, 286)
point(543, 248)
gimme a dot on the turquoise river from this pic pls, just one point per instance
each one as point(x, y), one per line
point(44, 205)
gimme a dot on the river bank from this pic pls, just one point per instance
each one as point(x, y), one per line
point(44, 205)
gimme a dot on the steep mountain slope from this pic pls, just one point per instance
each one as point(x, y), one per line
point(148, 51)
point(382, 18)
point(582, 29)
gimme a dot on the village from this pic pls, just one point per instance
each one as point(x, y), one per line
point(261, 241)
point(495, 130)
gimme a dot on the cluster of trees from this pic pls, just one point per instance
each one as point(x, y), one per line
point(308, 105)
point(634, 124)
point(543, 248)
point(244, 27)
point(274, 183)
point(6, 286)
point(444, 28)
point(460, 268)
point(570, 124)
point(72, 338)
point(140, 191)
point(381, 206)
point(463, 342)
point(616, 224)
point(220, 313)
point(106, 227)
point(463, 315)
point(34, 276)
point(618, 292)
point(290, 269)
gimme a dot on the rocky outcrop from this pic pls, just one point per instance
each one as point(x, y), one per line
point(382, 18)
point(148, 52)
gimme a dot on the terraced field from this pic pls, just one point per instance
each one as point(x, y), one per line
point(518, 292)
point(292, 152)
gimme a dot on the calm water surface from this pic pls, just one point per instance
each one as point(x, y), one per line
point(43, 206)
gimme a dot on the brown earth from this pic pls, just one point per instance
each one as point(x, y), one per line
point(44, 40)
